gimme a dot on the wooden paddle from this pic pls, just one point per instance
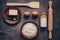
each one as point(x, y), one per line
point(30, 4)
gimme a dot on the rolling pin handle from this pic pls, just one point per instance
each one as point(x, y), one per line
point(50, 35)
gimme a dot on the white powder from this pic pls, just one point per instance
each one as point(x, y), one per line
point(43, 22)
point(29, 29)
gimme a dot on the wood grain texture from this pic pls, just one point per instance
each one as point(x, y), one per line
point(50, 20)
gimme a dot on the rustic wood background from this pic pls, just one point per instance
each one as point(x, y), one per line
point(13, 32)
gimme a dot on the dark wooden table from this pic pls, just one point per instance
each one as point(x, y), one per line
point(13, 32)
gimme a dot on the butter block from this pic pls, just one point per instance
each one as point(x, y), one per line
point(13, 12)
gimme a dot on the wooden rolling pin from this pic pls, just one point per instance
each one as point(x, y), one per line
point(50, 20)
point(30, 4)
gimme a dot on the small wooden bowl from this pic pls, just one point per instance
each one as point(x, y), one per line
point(31, 36)
point(5, 16)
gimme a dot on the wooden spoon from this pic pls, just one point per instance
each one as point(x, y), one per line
point(30, 4)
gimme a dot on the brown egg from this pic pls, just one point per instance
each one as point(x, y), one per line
point(27, 13)
point(35, 13)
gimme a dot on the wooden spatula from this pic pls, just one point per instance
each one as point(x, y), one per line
point(50, 20)
point(30, 4)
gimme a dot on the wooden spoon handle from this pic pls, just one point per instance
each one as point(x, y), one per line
point(16, 4)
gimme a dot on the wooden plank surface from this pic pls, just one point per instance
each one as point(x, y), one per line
point(13, 32)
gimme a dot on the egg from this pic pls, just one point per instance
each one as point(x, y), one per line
point(35, 13)
point(27, 13)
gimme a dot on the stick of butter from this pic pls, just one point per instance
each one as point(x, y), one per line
point(13, 12)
